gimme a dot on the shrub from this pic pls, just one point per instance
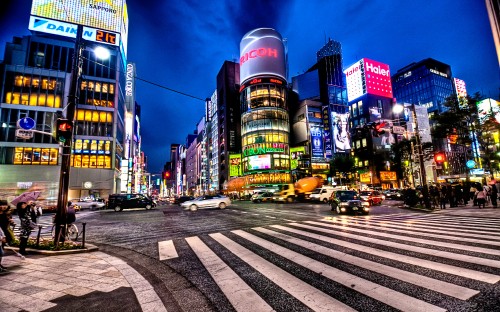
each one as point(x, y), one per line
point(48, 244)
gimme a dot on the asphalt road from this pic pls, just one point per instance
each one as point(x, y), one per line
point(302, 257)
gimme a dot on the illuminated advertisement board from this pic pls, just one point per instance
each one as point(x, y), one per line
point(263, 148)
point(259, 162)
point(368, 76)
point(378, 78)
point(262, 53)
point(234, 165)
point(341, 135)
point(460, 87)
point(102, 14)
point(488, 108)
point(355, 82)
point(327, 131)
point(317, 142)
point(295, 154)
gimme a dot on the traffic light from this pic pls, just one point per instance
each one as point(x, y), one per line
point(439, 158)
point(378, 128)
point(64, 130)
point(167, 175)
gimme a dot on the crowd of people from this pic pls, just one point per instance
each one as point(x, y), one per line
point(444, 196)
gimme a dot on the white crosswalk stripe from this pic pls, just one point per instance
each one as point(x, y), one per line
point(410, 262)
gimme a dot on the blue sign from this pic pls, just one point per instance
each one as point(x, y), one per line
point(317, 142)
point(470, 164)
point(26, 123)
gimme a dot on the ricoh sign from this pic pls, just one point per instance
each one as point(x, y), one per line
point(368, 76)
point(262, 53)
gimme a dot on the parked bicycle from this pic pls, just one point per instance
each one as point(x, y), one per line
point(71, 232)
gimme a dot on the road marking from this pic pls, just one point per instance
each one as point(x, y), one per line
point(271, 217)
point(305, 293)
point(166, 250)
point(383, 294)
point(427, 251)
point(463, 272)
point(241, 296)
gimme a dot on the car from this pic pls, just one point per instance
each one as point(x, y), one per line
point(118, 202)
point(179, 200)
point(207, 201)
point(372, 197)
point(88, 204)
point(262, 197)
point(348, 202)
point(393, 194)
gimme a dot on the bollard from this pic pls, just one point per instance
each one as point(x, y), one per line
point(83, 234)
point(38, 236)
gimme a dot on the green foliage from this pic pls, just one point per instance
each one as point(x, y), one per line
point(342, 164)
point(48, 244)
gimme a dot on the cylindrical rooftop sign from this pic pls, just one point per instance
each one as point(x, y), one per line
point(262, 53)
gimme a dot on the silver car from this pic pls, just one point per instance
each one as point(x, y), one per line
point(207, 201)
point(88, 204)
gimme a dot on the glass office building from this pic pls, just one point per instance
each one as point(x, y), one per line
point(428, 82)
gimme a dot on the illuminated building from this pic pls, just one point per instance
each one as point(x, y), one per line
point(265, 126)
point(369, 92)
point(35, 78)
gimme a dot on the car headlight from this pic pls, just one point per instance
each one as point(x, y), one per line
point(366, 209)
point(342, 209)
point(365, 203)
point(344, 204)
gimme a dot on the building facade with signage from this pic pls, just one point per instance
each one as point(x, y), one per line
point(35, 83)
point(370, 96)
point(265, 125)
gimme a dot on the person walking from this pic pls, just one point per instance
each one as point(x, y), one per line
point(3, 240)
point(6, 222)
point(443, 197)
point(494, 195)
point(24, 213)
point(481, 198)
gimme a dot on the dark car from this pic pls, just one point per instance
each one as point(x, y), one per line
point(118, 202)
point(394, 194)
point(348, 202)
point(181, 199)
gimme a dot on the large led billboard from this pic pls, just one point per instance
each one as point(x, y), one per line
point(101, 14)
point(460, 87)
point(368, 76)
point(341, 133)
point(258, 162)
point(262, 53)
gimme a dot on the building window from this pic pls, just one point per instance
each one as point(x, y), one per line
point(35, 156)
point(94, 123)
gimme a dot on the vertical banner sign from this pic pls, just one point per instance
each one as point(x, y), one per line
point(234, 165)
point(317, 142)
point(327, 132)
point(295, 154)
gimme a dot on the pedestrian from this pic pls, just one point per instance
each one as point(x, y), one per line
point(3, 240)
point(6, 222)
point(24, 213)
point(442, 197)
point(481, 198)
point(472, 193)
point(494, 195)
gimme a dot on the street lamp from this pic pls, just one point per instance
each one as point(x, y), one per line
point(62, 196)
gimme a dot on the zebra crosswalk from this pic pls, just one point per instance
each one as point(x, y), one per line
point(407, 262)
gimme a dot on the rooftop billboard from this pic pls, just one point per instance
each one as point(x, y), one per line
point(262, 53)
point(101, 14)
point(368, 76)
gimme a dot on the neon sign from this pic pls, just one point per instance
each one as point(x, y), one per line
point(260, 52)
point(259, 149)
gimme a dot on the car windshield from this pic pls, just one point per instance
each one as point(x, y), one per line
point(316, 191)
point(365, 193)
point(347, 195)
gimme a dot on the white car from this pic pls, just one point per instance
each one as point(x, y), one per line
point(207, 201)
point(88, 204)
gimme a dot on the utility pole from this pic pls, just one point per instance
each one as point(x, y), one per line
point(423, 178)
point(62, 196)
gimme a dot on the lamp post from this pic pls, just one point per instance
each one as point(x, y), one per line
point(62, 196)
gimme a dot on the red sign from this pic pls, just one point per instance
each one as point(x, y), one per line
point(260, 52)
point(378, 78)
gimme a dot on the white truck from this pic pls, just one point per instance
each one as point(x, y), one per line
point(323, 193)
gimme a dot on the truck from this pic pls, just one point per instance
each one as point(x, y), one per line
point(322, 194)
point(297, 191)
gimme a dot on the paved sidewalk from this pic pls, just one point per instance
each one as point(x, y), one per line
point(92, 281)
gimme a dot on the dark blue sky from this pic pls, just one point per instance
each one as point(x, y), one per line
point(183, 44)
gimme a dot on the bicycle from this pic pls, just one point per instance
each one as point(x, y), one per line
point(71, 232)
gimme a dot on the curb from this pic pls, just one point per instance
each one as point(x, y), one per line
point(88, 248)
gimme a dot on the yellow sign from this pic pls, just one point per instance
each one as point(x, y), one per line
point(101, 14)
point(388, 176)
point(365, 177)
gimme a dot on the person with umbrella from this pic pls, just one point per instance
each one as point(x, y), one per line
point(24, 213)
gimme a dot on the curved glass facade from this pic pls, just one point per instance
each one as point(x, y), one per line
point(265, 131)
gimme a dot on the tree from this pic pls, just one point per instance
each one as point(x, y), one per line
point(342, 164)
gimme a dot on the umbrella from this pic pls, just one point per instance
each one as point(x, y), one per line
point(26, 197)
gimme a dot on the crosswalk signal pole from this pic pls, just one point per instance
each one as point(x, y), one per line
point(62, 196)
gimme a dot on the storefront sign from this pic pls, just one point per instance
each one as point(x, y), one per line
point(388, 176)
